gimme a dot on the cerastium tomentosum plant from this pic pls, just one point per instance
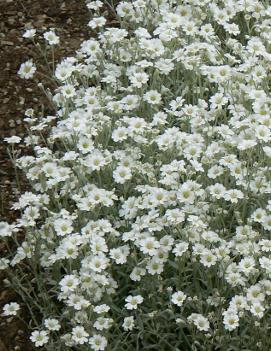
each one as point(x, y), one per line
point(148, 225)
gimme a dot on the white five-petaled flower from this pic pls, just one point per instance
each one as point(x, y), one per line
point(178, 298)
point(13, 139)
point(98, 342)
point(122, 174)
point(27, 69)
point(51, 37)
point(153, 97)
point(11, 309)
point(133, 302)
point(199, 321)
point(29, 34)
point(39, 338)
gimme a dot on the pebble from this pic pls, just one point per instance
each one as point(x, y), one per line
point(5, 42)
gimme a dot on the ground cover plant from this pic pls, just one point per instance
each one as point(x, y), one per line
point(148, 226)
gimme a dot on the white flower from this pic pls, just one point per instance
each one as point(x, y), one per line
point(178, 298)
point(265, 263)
point(51, 37)
point(98, 263)
point(124, 9)
point(267, 222)
point(64, 71)
point(95, 161)
point(238, 303)
point(180, 248)
point(79, 335)
point(133, 302)
point(97, 22)
point(13, 140)
point(4, 263)
point(247, 265)
point(69, 283)
point(217, 190)
point(40, 338)
point(101, 309)
point(11, 309)
point(267, 150)
point(152, 97)
point(257, 309)
point(255, 294)
point(68, 91)
point(29, 34)
point(98, 342)
point(165, 66)
point(94, 5)
point(139, 79)
point(63, 226)
point(120, 254)
point(149, 246)
point(233, 195)
point(130, 102)
point(137, 273)
point(119, 134)
point(122, 174)
point(218, 100)
point(155, 266)
point(52, 324)
point(207, 258)
point(175, 216)
point(128, 323)
point(186, 194)
point(78, 302)
point(103, 323)
point(27, 70)
point(200, 321)
point(263, 133)
point(231, 320)
point(5, 229)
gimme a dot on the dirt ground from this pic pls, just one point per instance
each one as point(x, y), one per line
point(69, 18)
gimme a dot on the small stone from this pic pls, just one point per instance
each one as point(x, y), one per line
point(5, 42)
point(22, 100)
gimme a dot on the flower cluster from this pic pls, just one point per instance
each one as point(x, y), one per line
point(150, 214)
